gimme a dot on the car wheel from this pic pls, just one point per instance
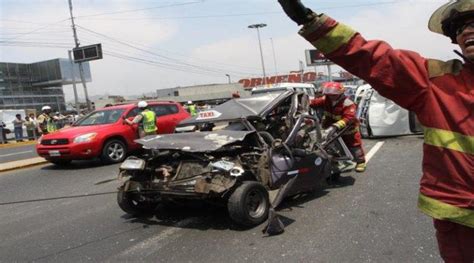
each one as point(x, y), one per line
point(61, 162)
point(249, 205)
point(130, 205)
point(114, 151)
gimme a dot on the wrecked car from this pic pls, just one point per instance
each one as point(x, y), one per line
point(238, 155)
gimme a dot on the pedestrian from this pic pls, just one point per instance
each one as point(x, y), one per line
point(33, 120)
point(146, 120)
point(3, 133)
point(439, 93)
point(30, 128)
point(18, 127)
point(338, 112)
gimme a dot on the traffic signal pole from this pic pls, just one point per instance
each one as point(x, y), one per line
point(81, 69)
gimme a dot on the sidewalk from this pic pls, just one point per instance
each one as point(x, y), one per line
point(13, 143)
point(21, 164)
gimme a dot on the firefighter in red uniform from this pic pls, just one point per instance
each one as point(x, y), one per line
point(338, 112)
point(440, 93)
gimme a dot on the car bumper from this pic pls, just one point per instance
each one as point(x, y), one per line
point(71, 151)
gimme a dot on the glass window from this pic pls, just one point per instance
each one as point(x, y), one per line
point(164, 109)
point(133, 112)
point(100, 117)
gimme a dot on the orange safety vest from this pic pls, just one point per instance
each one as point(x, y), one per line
point(440, 93)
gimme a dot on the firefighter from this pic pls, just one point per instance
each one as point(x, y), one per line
point(46, 122)
point(146, 120)
point(441, 95)
point(338, 112)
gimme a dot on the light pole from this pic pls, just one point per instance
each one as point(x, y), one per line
point(257, 26)
point(228, 77)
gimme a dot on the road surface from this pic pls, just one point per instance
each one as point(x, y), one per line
point(372, 218)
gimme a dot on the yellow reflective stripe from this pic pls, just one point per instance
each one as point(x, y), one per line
point(449, 140)
point(340, 124)
point(443, 211)
point(334, 39)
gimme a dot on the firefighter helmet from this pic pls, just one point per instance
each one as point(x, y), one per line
point(450, 16)
point(333, 88)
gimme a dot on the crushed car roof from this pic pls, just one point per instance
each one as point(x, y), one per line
point(193, 141)
point(238, 108)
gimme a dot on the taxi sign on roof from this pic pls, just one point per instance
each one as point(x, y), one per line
point(209, 114)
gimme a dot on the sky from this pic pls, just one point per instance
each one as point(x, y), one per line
point(156, 44)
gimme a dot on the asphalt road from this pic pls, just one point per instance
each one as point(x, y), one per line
point(16, 153)
point(373, 218)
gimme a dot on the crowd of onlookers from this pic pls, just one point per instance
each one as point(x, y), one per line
point(31, 125)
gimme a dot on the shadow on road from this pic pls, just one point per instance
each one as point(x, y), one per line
point(215, 217)
point(76, 165)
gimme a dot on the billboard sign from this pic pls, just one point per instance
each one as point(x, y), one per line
point(307, 77)
point(315, 57)
point(87, 53)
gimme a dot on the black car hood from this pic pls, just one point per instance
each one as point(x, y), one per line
point(193, 141)
point(238, 108)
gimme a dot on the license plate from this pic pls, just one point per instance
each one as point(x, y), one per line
point(54, 153)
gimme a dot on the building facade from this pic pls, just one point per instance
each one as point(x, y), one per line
point(31, 86)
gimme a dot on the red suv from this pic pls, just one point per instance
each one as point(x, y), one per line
point(102, 133)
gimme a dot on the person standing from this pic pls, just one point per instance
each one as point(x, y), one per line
point(192, 109)
point(46, 123)
point(440, 94)
point(146, 120)
point(30, 128)
point(3, 133)
point(18, 128)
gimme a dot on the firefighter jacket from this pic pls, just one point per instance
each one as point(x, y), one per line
point(341, 114)
point(440, 93)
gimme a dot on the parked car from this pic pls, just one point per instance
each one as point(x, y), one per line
point(239, 152)
point(102, 133)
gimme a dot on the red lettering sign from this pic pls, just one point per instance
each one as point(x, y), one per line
point(253, 82)
point(206, 114)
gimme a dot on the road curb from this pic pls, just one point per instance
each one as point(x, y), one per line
point(16, 144)
point(4, 167)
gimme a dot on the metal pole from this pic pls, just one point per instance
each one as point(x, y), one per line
point(261, 56)
point(73, 78)
point(81, 70)
point(228, 77)
point(257, 26)
point(274, 57)
point(301, 70)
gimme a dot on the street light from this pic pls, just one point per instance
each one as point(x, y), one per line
point(228, 77)
point(257, 26)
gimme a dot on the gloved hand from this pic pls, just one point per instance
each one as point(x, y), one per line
point(297, 11)
point(330, 131)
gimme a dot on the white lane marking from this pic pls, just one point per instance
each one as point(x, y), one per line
point(155, 243)
point(10, 154)
point(373, 150)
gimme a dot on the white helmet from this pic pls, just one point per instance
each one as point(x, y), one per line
point(142, 104)
point(190, 102)
point(45, 108)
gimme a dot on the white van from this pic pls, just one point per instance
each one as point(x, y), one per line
point(307, 88)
